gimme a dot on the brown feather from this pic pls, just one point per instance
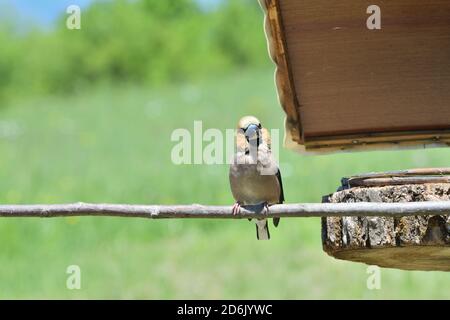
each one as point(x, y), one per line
point(266, 137)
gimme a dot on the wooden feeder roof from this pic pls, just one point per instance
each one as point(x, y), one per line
point(345, 87)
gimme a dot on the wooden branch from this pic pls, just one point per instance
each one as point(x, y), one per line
point(201, 211)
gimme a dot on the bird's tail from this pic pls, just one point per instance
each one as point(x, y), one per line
point(262, 230)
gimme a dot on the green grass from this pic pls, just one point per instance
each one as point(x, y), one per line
point(113, 145)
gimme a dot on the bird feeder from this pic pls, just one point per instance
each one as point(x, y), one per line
point(410, 242)
point(345, 85)
point(362, 75)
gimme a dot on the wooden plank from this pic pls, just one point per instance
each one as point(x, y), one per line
point(276, 42)
point(396, 140)
point(399, 177)
point(351, 81)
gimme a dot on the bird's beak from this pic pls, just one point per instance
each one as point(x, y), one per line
point(252, 133)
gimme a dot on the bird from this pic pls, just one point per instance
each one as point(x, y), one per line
point(255, 177)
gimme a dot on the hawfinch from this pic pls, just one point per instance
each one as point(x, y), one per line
point(255, 178)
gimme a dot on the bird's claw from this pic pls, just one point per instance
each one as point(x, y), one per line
point(266, 208)
point(236, 209)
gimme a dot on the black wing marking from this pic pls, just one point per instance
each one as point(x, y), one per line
point(276, 221)
point(281, 200)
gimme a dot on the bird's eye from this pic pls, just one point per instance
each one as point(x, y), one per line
point(259, 125)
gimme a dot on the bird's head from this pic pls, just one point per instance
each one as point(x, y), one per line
point(251, 128)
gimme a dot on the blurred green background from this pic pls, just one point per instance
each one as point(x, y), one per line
point(86, 115)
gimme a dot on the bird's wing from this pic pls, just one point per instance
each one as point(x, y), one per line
point(276, 221)
point(268, 141)
point(281, 186)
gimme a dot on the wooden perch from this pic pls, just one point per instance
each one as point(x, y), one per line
point(200, 211)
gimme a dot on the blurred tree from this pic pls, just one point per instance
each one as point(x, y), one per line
point(142, 41)
point(171, 9)
point(239, 32)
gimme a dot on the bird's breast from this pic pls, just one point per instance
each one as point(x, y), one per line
point(249, 186)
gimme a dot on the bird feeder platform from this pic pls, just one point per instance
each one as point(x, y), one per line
point(347, 87)
point(409, 243)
